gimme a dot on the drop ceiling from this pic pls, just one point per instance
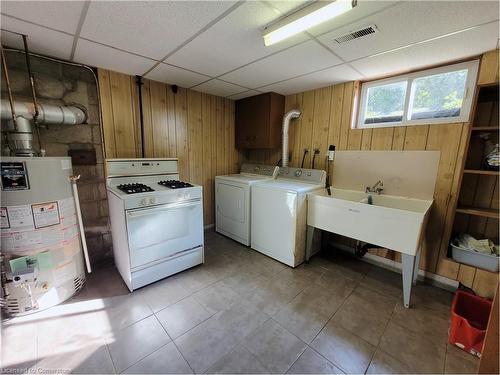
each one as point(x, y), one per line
point(216, 46)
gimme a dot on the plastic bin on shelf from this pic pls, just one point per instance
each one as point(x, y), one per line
point(473, 258)
point(469, 319)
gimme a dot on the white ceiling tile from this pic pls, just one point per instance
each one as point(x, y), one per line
point(411, 22)
point(285, 7)
point(364, 9)
point(175, 76)
point(232, 42)
point(219, 88)
point(149, 28)
point(301, 59)
point(327, 77)
point(109, 58)
point(40, 39)
point(468, 43)
point(59, 15)
point(244, 94)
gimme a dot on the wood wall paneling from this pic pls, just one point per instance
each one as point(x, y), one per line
point(196, 128)
point(450, 139)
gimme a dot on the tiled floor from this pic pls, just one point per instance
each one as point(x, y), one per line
point(242, 312)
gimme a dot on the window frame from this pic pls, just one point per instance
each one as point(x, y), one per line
point(472, 66)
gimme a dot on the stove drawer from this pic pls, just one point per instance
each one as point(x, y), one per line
point(163, 231)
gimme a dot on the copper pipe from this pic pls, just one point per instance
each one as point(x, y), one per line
point(33, 92)
point(7, 81)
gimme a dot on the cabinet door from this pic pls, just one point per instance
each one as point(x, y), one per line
point(258, 120)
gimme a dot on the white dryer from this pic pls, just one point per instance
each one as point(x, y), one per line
point(279, 213)
point(233, 197)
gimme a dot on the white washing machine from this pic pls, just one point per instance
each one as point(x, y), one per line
point(279, 213)
point(232, 200)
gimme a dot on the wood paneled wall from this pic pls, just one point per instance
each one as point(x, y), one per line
point(326, 119)
point(197, 128)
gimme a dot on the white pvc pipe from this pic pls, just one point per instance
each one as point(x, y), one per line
point(73, 180)
point(294, 113)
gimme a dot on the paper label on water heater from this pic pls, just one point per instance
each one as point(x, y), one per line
point(20, 217)
point(45, 214)
point(4, 218)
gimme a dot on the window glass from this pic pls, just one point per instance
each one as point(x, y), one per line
point(385, 103)
point(438, 95)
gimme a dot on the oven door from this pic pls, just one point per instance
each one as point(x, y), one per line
point(163, 231)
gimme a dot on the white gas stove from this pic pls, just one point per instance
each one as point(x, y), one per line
point(156, 220)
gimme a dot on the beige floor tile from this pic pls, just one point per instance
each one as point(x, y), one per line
point(244, 281)
point(417, 352)
point(383, 363)
point(460, 362)
point(180, 317)
point(163, 293)
point(19, 345)
point(270, 299)
point(217, 297)
point(366, 314)
point(422, 321)
point(308, 312)
point(383, 281)
point(166, 360)
point(135, 342)
point(122, 311)
point(80, 355)
point(275, 347)
point(344, 349)
point(211, 340)
point(196, 278)
point(335, 283)
point(238, 361)
point(311, 362)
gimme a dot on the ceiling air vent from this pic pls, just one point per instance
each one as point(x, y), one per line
point(372, 29)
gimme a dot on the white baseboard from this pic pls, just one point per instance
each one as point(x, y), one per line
point(432, 278)
point(209, 226)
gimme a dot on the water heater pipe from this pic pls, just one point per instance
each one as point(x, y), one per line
point(50, 114)
point(294, 113)
point(73, 180)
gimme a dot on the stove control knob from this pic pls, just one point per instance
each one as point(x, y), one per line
point(144, 202)
point(152, 200)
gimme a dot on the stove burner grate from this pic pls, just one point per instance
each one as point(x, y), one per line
point(134, 188)
point(175, 184)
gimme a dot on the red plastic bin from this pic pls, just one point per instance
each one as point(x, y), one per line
point(469, 319)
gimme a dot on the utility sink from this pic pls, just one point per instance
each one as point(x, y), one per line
point(391, 222)
point(395, 223)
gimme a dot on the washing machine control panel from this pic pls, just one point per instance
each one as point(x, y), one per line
point(260, 169)
point(314, 176)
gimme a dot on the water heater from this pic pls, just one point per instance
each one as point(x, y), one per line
point(43, 263)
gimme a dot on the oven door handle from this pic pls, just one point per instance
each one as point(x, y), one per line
point(164, 207)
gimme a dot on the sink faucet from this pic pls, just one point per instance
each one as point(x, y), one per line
point(377, 188)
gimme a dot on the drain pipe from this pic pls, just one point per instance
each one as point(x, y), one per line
point(294, 113)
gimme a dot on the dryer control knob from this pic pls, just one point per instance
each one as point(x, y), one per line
point(152, 200)
point(144, 202)
point(298, 173)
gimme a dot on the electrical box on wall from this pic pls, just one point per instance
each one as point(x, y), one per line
point(83, 157)
point(258, 121)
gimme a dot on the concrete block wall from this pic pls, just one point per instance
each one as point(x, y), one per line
point(58, 83)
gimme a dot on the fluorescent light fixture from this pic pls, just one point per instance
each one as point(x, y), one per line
point(310, 16)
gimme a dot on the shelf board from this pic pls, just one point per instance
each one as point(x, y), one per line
point(485, 128)
point(481, 171)
point(484, 212)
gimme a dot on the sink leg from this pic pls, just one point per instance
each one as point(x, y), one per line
point(309, 241)
point(417, 263)
point(408, 277)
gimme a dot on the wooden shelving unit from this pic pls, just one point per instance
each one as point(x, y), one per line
point(481, 171)
point(477, 211)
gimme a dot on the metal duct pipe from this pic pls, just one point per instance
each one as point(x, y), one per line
point(294, 113)
point(50, 114)
point(20, 139)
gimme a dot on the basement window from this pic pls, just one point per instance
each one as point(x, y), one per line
point(433, 96)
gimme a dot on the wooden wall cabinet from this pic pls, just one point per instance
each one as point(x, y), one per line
point(258, 121)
